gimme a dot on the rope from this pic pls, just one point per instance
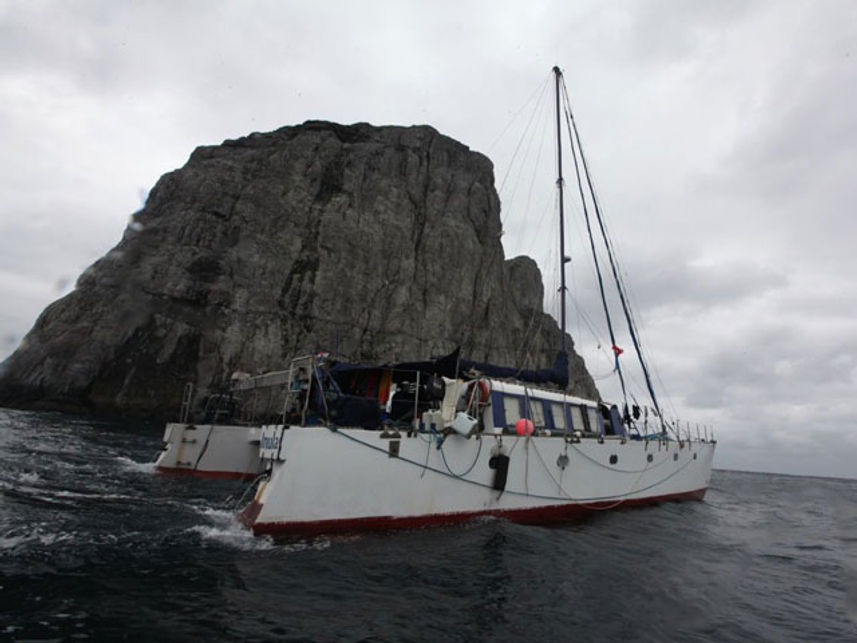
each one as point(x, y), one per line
point(204, 447)
point(574, 155)
point(604, 466)
point(240, 501)
point(622, 497)
point(469, 469)
point(540, 89)
point(521, 154)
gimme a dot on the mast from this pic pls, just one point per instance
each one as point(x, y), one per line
point(563, 260)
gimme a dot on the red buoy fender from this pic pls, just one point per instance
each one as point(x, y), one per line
point(524, 427)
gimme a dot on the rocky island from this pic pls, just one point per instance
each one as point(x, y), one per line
point(375, 243)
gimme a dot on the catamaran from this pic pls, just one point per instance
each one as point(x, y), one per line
point(334, 446)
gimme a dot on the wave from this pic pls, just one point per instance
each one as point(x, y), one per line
point(228, 531)
point(29, 477)
point(37, 537)
point(137, 467)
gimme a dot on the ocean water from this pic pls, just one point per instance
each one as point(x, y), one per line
point(95, 545)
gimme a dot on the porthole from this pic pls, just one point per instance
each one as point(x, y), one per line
point(694, 456)
point(675, 456)
point(614, 459)
point(649, 458)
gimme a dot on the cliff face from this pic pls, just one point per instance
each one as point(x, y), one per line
point(376, 243)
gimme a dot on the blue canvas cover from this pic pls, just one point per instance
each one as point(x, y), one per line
point(557, 374)
point(617, 427)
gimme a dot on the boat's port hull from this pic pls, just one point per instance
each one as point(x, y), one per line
point(325, 481)
point(210, 451)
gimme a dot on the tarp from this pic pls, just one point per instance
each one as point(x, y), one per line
point(558, 374)
point(452, 366)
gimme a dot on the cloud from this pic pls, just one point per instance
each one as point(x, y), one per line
point(803, 118)
point(693, 286)
point(669, 31)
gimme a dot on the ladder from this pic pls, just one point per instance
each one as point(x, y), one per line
point(300, 374)
point(187, 398)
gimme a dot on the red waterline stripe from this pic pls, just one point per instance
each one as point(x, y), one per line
point(530, 515)
point(200, 473)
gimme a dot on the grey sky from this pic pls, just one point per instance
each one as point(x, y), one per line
point(722, 137)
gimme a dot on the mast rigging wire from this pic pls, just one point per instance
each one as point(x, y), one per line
point(574, 152)
point(610, 255)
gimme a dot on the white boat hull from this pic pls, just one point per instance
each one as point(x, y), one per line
point(211, 450)
point(325, 480)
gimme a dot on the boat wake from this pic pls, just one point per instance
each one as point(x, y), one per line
point(225, 530)
point(127, 464)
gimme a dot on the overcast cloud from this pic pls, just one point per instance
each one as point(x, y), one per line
point(722, 137)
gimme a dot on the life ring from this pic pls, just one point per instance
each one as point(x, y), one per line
point(478, 394)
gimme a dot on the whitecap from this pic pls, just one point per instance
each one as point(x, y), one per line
point(29, 477)
point(91, 495)
point(227, 530)
point(235, 536)
point(13, 541)
point(56, 537)
point(10, 542)
point(316, 544)
point(137, 467)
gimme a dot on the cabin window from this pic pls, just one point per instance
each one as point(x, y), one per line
point(537, 413)
point(577, 418)
point(558, 415)
point(497, 410)
point(596, 423)
point(512, 407)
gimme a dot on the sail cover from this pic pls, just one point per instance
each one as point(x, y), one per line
point(557, 374)
point(452, 366)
